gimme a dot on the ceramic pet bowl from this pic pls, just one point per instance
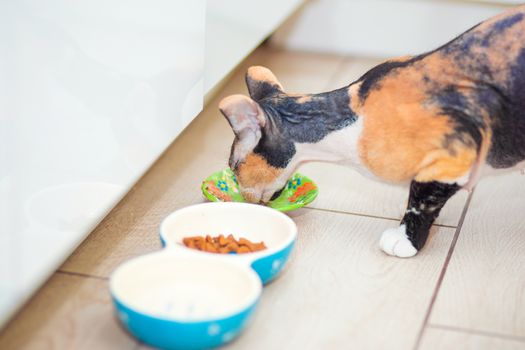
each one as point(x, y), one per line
point(173, 301)
point(222, 186)
point(182, 298)
point(253, 222)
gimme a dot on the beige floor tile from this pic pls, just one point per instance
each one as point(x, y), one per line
point(484, 287)
point(343, 189)
point(340, 291)
point(69, 312)
point(440, 339)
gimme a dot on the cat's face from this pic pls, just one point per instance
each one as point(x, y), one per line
point(258, 179)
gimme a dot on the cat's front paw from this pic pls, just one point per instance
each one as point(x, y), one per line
point(395, 242)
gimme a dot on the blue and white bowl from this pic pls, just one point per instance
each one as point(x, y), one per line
point(181, 298)
point(253, 222)
point(177, 301)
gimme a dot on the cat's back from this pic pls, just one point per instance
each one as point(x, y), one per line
point(490, 60)
point(489, 51)
point(463, 98)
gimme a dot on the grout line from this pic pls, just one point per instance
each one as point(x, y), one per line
point(443, 225)
point(352, 213)
point(80, 274)
point(443, 272)
point(368, 215)
point(477, 332)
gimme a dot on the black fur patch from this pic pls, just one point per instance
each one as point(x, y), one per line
point(372, 78)
point(506, 23)
point(277, 194)
point(464, 43)
point(277, 150)
point(508, 127)
point(424, 204)
point(261, 89)
point(312, 120)
point(477, 65)
point(465, 114)
point(305, 119)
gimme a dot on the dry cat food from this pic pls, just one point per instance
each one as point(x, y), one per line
point(222, 245)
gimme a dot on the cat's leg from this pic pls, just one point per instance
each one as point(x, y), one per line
point(425, 202)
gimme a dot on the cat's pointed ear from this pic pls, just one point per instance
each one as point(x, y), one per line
point(244, 115)
point(262, 82)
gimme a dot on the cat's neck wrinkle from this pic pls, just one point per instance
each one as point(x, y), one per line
point(308, 118)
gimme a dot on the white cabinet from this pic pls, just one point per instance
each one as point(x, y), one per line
point(91, 93)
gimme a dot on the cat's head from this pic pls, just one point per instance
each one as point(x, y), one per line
point(257, 156)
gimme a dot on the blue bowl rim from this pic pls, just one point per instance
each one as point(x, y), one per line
point(249, 272)
point(251, 256)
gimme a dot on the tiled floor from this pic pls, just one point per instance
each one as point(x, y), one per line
point(465, 290)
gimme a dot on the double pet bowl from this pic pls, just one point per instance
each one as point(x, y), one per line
point(181, 298)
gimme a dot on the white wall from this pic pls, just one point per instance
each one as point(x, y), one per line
point(381, 28)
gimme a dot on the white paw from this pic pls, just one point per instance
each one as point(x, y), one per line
point(394, 241)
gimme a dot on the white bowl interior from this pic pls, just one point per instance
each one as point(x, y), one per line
point(253, 222)
point(184, 288)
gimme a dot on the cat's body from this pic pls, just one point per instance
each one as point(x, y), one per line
point(435, 120)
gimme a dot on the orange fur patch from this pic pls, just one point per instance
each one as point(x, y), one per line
point(263, 74)
point(403, 136)
point(353, 93)
point(255, 172)
point(441, 165)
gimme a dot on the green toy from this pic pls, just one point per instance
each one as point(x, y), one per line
point(222, 186)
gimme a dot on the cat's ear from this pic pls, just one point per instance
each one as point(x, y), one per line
point(262, 82)
point(244, 115)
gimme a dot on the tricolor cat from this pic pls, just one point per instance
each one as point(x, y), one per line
point(436, 120)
